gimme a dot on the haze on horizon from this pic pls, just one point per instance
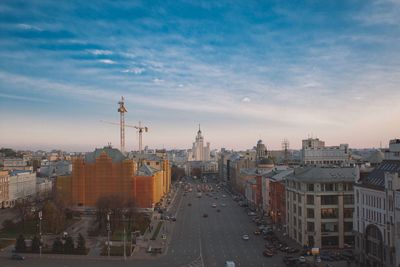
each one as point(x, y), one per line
point(243, 70)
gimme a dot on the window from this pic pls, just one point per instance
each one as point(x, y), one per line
point(299, 211)
point(330, 213)
point(348, 212)
point(348, 199)
point(310, 187)
point(310, 213)
point(348, 226)
point(299, 198)
point(329, 227)
point(329, 200)
point(348, 187)
point(310, 199)
point(310, 227)
point(328, 241)
point(327, 187)
point(294, 208)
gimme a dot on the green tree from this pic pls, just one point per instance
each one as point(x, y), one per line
point(69, 245)
point(20, 245)
point(81, 247)
point(58, 246)
point(35, 244)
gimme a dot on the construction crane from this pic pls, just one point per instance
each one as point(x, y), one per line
point(122, 111)
point(140, 129)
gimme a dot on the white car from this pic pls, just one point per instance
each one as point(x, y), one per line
point(302, 259)
point(223, 205)
point(214, 205)
point(245, 237)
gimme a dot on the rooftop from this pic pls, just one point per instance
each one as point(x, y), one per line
point(113, 153)
point(376, 178)
point(325, 174)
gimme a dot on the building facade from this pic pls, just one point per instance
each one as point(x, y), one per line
point(199, 152)
point(319, 206)
point(314, 152)
point(377, 218)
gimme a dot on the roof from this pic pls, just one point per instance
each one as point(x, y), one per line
point(113, 153)
point(16, 172)
point(376, 157)
point(146, 170)
point(377, 177)
point(314, 174)
point(280, 175)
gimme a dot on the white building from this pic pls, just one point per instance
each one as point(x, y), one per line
point(44, 187)
point(199, 152)
point(319, 206)
point(22, 184)
point(376, 217)
point(314, 152)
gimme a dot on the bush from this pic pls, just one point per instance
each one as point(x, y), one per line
point(58, 246)
point(20, 246)
point(69, 246)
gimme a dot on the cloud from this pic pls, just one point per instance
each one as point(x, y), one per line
point(134, 70)
point(246, 99)
point(99, 52)
point(107, 61)
point(157, 80)
point(29, 27)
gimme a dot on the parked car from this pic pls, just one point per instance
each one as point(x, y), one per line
point(257, 232)
point(268, 253)
point(245, 237)
point(302, 259)
point(205, 215)
point(17, 257)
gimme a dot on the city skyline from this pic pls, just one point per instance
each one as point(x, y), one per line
point(243, 71)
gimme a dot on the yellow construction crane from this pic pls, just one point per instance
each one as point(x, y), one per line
point(140, 128)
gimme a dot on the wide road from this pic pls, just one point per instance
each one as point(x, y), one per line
point(195, 241)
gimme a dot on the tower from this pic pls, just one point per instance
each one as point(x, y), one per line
point(122, 111)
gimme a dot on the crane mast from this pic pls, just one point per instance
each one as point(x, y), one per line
point(122, 111)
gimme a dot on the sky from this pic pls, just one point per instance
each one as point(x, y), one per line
point(244, 70)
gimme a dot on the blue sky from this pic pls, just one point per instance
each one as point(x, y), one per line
point(245, 70)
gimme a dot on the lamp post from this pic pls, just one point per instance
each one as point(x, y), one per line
point(40, 234)
point(123, 222)
point(108, 234)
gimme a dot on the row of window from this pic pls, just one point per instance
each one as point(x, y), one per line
point(325, 187)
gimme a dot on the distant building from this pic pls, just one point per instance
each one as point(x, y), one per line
point(314, 152)
point(11, 164)
point(199, 152)
point(22, 184)
point(4, 187)
point(377, 215)
point(261, 151)
point(55, 168)
point(320, 204)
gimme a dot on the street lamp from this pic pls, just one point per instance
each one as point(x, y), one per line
point(40, 234)
point(123, 222)
point(108, 234)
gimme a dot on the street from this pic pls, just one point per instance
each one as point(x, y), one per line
point(195, 240)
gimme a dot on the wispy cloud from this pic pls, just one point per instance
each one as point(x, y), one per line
point(29, 27)
point(107, 61)
point(98, 52)
point(134, 70)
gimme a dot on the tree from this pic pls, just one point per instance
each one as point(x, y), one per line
point(58, 246)
point(35, 244)
point(23, 206)
point(20, 245)
point(9, 225)
point(8, 152)
point(53, 218)
point(69, 245)
point(81, 247)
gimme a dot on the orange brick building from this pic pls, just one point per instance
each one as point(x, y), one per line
point(107, 172)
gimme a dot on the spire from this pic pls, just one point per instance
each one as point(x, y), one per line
point(199, 129)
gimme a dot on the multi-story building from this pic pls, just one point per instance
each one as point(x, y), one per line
point(22, 184)
point(314, 152)
point(107, 172)
point(199, 152)
point(11, 164)
point(376, 218)
point(55, 168)
point(277, 196)
point(319, 205)
point(4, 186)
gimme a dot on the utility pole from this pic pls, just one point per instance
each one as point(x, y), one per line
point(40, 234)
point(123, 221)
point(108, 234)
point(122, 111)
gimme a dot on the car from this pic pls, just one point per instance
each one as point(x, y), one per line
point(268, 253)
point(223, 205)
point(214, 205)
point(257, 232)
point(17, 257)
point(189, 204)
point(173, 218)
point(251, 213)
point(245, 237)
point(205, 215)
point(302, 259)
point(318, 259)
point(223, 195)
point(218, 210)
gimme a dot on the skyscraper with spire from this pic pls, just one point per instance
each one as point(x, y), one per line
point(199, 151)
